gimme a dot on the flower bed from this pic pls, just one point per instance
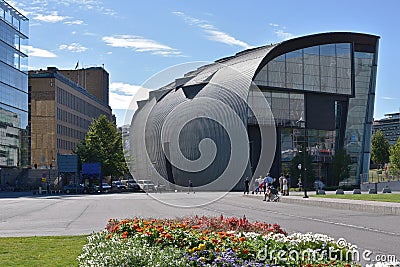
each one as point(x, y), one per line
point(208, 241)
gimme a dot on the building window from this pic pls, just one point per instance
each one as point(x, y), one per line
point(324, 68)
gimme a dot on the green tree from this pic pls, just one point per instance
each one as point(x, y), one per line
point(295, 172)
point(339, 167)
point(379, 148)
point(103, 143)
point(394, 157)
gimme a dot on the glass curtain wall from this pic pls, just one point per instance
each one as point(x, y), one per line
point(14, 134)
point(357, 137)
point(324, 68)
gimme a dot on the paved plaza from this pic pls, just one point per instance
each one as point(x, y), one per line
point(84, 214)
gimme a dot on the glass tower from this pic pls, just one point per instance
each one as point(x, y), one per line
point(14, 141)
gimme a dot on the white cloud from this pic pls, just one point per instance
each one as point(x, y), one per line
point(53, 17)
point(121, 94)
point(212, 32)
point(140, 44)
point(274, 25)
point(225, 38)
point(388, 98)
point(75, 22)
point(284, 35)
point(37, 52)
point(74, 47)
point(40, 6)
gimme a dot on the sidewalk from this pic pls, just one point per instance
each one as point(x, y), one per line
point(384, 208)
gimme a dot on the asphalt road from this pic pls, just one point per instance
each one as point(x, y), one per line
point(84, 214)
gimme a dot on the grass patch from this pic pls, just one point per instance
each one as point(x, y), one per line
point(369, 197)
point(41, 250)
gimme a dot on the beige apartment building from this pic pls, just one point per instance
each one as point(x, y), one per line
point(62, 105)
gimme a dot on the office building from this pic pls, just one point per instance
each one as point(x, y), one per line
point(14, 142)
point(389, 126)
point(61, 110)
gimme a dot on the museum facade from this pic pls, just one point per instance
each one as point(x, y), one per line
point(254, 112)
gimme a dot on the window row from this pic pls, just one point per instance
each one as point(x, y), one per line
point(14, 19)
point(67, 131)
point(73, 119)
point(78, 104)
point(286, 108)
point(65, 144)
point(13, 77)
point(13, 117)
point(13, 97)
point(325, 68)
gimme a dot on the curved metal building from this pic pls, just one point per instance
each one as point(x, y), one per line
point(239, 116)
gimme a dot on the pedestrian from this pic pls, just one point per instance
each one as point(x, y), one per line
point(256, 186)
point(246, 185)
point(285, 187)
point(289, 183)
point(268, 180)
point(281, 183)
point(190, 188)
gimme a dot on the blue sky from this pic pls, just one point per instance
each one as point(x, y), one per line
point(137, 39)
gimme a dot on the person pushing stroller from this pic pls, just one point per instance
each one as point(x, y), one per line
point(271, 194)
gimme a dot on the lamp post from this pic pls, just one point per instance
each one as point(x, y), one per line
point(302, 123)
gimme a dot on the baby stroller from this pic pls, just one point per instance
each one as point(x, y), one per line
point(274, 195)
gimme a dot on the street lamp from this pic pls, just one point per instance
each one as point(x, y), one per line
point(302, 124)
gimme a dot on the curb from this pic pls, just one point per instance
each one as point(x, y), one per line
point(383, 208)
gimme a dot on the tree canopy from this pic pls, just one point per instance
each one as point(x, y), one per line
point(379, 148)
point(340, 166)
point(394, 157)
point(103, 143)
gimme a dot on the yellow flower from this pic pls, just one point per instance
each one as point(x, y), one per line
point(202, 247)
point(203, 259)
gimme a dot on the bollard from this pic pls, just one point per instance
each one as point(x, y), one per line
point(339, 192)
point(356, 191)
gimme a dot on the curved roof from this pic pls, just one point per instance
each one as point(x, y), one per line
point(250, 61)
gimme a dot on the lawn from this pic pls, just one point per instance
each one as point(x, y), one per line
point(370, 197)
point(41, 250)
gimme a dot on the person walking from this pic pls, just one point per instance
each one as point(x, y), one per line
point(281, 183)
point(190, 188)
point(246, 185)
point(268, 180)
point(285, 187)
point(256, 185)
point(289, 183)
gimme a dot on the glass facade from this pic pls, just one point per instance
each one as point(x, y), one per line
point(14, 142)
point(343, 70)
point(286, 107)
point(359, 119)
point(324, 68)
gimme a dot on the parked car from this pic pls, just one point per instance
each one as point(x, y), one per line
point(131, 184)
point(74, 188)
point(146, 185)
point(105, 187)
point(118, 185)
